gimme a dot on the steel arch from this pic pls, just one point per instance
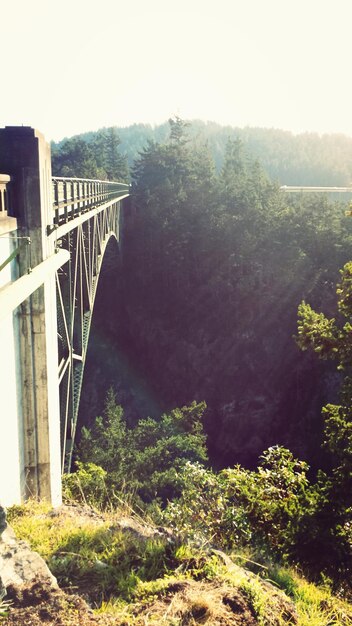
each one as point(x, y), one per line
point(87, 215)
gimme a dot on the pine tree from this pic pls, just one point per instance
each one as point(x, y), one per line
point(330, 531)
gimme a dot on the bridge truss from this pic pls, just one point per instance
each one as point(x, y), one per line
point(87, 214)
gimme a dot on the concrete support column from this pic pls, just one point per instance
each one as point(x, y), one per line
point(25, 156)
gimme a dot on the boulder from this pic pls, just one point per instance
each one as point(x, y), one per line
point(19, 565)
point(2, 590)
point(2, 520)
point(2, 528)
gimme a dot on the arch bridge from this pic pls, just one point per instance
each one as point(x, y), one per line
point(53, 236)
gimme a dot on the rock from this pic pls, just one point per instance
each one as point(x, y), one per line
point(2, 590)
point(3, 523)
point(143, 532)
point(19, 565)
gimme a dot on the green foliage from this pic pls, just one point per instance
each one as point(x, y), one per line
point(328, 531)
point(87, 484)
point(219, 262)
point(5, 607)
point(100, 158)
point(74, 159)
point(105, 148)
point(275, 498)
point(305, 159)
point(177, 129)
point(203, 511)
point(145, 460)
point(109, 563)
point(317, 332)
point(274, 511)
point(315, 605)
point(242, 507)
point(321, 334)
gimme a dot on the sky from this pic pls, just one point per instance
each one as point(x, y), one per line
point(70, 66)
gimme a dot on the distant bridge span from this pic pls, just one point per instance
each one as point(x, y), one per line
point(53, 236)
point(305, 189)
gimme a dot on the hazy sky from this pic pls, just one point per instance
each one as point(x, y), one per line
point(69, 66)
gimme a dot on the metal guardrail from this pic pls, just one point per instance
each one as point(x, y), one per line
point(74, 196)
point(10, 258)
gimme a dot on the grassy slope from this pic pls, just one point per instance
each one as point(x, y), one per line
point(133, 574)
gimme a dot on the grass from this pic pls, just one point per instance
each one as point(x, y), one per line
point(143, 579)
point(4, 609)
point(94, 556)
point(315, 604)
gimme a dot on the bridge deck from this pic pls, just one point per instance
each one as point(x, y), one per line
point(306, 189)
point(74, 196)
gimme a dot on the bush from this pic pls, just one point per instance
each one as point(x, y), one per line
point(145, 460)
point(204, 511)
point(87, 485)
point(275, 498)
point(242, 507)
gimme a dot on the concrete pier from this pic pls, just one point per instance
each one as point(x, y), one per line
point(53, 236)
point(25, 157)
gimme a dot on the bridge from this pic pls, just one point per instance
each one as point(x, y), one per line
point(305, 189)
point(53, 236)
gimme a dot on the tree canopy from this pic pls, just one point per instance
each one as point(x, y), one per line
point(99, 159)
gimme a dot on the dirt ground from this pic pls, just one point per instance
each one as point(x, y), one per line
point(185, 603)
point(38, 603)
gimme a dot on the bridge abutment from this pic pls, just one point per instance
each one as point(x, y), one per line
point(25, 156)
point(48, 222)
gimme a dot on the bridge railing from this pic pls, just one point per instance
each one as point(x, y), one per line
point(74, 196)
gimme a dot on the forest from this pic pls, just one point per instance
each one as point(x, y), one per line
point(215, 267)
point(289, 159)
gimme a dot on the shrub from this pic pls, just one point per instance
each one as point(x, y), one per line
point(87, 485)
point(242, 507)
point(275, 498)
point(145, 460)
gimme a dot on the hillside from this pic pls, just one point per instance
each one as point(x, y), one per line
point(230, 301)
point(289, 159)
point(202, 305)
point(145, 575)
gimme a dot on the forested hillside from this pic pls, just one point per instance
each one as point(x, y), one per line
point(215, 264)
point(99, 158)
point(220, 263)
point(219, 312)
point(304, 159)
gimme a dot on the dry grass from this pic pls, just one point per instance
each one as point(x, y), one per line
point(190, 602)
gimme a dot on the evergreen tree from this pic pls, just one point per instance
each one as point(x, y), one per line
point(98, 159)
point(75, 159)
point(106, 150)
point(329, 533)
point(149, 457)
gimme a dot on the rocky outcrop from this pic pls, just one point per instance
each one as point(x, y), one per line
point(2, 528)
point(3, 523)
point(2, 589)
point(19, 565)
